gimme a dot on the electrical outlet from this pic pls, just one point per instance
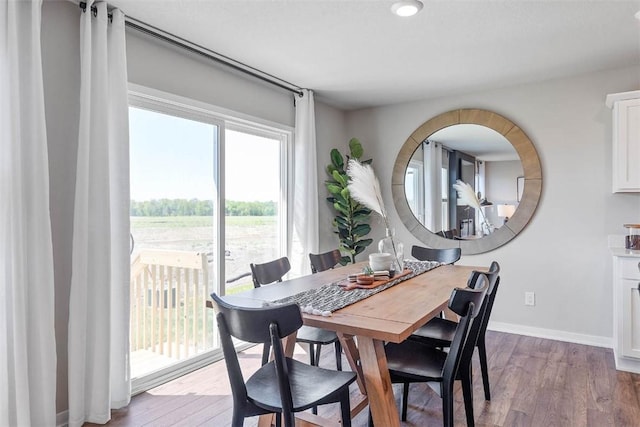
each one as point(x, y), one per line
point(529, 298)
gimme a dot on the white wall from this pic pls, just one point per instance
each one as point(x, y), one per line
point(160, 67)
point(562, 254)
point(501, 187)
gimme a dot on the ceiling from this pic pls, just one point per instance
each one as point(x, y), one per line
point(481, 142)
point(356, 53)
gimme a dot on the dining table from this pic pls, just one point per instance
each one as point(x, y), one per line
point(364, 327)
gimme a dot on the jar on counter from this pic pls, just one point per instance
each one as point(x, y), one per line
point(632, 239)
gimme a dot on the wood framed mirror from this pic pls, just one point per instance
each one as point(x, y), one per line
point(530, 176)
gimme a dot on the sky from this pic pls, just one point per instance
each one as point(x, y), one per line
point(173, 158)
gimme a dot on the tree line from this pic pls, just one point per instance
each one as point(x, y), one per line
point(195, 207)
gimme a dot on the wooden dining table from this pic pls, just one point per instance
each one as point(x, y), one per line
point(363, 327)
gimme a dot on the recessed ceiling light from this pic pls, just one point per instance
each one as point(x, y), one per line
point(406, 7)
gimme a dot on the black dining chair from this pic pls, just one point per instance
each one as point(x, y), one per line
point(439, 332)
point(411, 361)
point(445, 256)
point(273, 271)
point(325, 261)
point(283, 386)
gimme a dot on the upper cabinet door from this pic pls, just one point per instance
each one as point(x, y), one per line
point(626, 141)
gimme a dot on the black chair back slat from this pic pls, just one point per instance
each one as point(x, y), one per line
point(269, 272)
point(324, 261)
point(445, 256)
point(247, 324)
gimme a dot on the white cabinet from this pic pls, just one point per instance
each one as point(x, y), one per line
point(626, 310)
point(626, 141)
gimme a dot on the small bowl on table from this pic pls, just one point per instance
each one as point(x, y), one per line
point(380, 261)
point(364, 279)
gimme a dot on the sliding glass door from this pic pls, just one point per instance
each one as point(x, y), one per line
point(173, 243)
point(208, 197)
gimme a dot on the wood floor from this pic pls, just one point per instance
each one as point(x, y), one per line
point(534, 382)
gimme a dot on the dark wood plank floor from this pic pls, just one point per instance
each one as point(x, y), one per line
point(534, 382)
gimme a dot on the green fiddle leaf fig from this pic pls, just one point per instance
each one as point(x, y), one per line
point(337, 159)
point(340, 209)
point(359, 249)
point(350, 223)
point(334, 189)
point(362, 229)
point(355, 148)
point(340, 221)
point(341, 178)
point(361, 217)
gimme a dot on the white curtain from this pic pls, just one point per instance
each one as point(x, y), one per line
point(305, 195)
point(99, 302)
point(433, 185)
point(27, 336)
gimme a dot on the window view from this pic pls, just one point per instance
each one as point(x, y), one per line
point(187, 238)
point(172, 238)
point(255, 226)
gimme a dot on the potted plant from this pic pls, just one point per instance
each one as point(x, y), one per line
point(351, 222)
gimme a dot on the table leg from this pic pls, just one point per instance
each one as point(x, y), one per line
point(351, 352)
point(378, 382)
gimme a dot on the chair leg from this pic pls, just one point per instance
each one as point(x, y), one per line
point(237, 419)
point(345, 409)
point(288, 419)
point(266, 350)
point(313, 361)
point(447, 405)
point(318, 349)
point(338, 348)
point(467, 393)
point(405, 400)
point(484, 369)
point(312, 354)
point(278, 420)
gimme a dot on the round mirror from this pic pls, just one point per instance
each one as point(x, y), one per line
point(493, 160)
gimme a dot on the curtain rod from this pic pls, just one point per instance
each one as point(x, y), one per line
point(172, 39)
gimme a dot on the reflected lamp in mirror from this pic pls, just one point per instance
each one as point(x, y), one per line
point(506, 211)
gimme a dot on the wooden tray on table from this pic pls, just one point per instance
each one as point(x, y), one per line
point(347, 285)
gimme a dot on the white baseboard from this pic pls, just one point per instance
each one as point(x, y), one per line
point(62, 419)
point(552, 334)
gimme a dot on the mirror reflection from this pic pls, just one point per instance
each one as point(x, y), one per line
point(476, 155)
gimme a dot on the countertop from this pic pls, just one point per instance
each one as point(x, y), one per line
point(624, 252)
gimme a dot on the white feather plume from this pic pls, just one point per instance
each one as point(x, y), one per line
point(365, 188)
point(466, 195)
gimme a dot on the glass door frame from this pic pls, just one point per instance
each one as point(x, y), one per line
point(167, 103)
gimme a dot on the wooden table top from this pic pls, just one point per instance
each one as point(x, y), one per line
point(390, 315)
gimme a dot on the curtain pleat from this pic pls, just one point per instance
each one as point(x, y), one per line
point(98, 345)
point(27, 336)
point(305, 204)
point(433, 186)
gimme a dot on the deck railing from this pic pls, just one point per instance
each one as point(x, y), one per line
point(169, 290)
